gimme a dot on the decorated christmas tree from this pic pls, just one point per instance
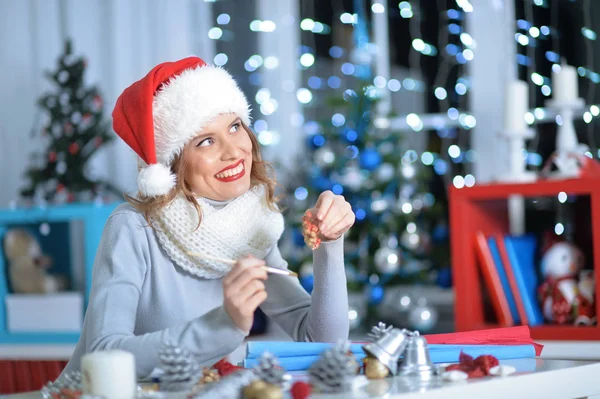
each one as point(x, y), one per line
point(397, 216)
point(74, 129)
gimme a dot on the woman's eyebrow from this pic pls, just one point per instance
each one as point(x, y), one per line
point(205, 134)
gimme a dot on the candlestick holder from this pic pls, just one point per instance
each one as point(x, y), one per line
point(516, 154)
point(568, 149)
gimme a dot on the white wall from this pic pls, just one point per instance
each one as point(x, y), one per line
point(492, 25)
point(122, 40)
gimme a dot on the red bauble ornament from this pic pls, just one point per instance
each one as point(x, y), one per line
point(300, 390)
point(73, 148)
point(52, 156)
point(60, 187)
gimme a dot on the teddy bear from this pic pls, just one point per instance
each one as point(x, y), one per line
point(28, 265)
point(567, 292)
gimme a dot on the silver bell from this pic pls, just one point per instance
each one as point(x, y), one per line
point(388, 348)
point(417, 362)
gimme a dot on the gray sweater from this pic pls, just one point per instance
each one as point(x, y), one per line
point(139, 299)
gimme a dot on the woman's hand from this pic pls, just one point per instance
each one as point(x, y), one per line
point(333, 215)
point(244, 291)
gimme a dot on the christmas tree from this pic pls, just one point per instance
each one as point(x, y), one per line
point(388, 188)
point(74, 128)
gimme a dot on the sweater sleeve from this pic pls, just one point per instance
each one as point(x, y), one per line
point(320, 317)
point(121, 263)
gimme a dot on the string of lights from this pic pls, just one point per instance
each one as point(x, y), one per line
point(452, 124)
point(529, 36)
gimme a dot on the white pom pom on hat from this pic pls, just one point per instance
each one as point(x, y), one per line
point(155, 180)
point(159, 114)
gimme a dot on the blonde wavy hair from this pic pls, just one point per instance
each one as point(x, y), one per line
point(262, 173)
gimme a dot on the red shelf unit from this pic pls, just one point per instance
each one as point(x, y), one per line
point(485, 208)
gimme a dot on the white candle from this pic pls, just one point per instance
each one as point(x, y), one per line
point(110, 374)
point(564, 84)
point(516, 105)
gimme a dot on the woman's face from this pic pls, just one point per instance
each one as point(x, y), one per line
point(218, 161)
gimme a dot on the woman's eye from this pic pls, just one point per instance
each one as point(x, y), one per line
point(235, 127)
point(205, 142)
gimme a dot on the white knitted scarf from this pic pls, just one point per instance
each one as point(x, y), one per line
point(244, 226)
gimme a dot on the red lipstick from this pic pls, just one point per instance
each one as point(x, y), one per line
point(233, 177)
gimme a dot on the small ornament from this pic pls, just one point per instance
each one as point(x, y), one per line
point(76, 117)
point(563, 301)
point(209, 375)
point(502, 370)
point(300, 390)
point(374, 369)
point(388, 348)
point(475, 368)
point(251, 391)
point(378, 331)
point(69, 386)
point(73, 148)
point(261, 390)
point(181, 371)
point(63, 76)
point(417, 361)
point(64, 99)
point(61, 168)
point(44, 229)
point(335, 369)
point(310, 231)
point(224, 367)
point(269, 370)
point(384, 173)
point(410, 240)
point(422, 318)
point(387, 260)
point(370, 159)
point(324, 157)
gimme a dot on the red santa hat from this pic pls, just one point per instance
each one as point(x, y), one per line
point(159, 114)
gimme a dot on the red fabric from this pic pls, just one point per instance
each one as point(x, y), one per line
point(7, 377)
point(38, 375)
point(474, 368)
point(519, 335)
point(132, 116)
point(224, 367)
point(18, 376)
point(22, 377)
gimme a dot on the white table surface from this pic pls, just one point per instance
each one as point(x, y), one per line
point(535, 378)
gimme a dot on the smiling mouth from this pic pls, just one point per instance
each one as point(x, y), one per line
point(232, 174)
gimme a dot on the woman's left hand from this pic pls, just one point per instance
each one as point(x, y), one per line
point(333, 215)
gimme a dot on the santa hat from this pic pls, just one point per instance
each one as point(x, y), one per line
point(159, 114)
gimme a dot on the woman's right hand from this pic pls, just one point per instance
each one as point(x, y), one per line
point(244, 291)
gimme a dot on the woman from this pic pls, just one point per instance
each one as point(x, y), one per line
point(203, 189)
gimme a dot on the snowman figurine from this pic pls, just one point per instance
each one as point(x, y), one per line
point(559, 293)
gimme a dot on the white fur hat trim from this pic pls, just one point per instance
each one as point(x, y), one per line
point(189, 101)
